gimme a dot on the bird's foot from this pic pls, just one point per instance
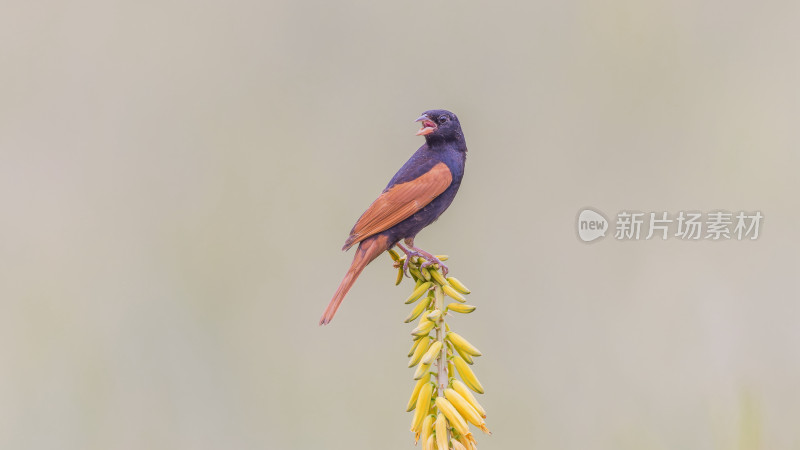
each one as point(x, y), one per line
point(431, 260)
point(409, 256)
point(428, 259)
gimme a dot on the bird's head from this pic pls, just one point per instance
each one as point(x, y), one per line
point(439, 125)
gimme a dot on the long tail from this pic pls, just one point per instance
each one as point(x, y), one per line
point(368, 250)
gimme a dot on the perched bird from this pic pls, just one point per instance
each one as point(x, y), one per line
point(414, 198)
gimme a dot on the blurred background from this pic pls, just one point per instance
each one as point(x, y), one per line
point(177, 179)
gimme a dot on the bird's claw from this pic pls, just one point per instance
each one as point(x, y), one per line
point(425, 258)
point(435, 261)
point(405, 267)
point(407, 262)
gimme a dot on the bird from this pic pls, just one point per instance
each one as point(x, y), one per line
point(415, 197)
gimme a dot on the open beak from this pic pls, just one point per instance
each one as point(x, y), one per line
point(428, 126)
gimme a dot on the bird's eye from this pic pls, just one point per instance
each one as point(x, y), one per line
point(442, 119)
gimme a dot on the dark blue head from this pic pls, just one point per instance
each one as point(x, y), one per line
point(439, 125)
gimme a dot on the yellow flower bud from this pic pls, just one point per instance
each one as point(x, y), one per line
point(458, 445)
point(460, 308)
point(435, 315)
point(467, 441)
point(467, 375)
point(452, 415)
point(423, 370)
point(467, 357)
point(460, 343)
point(413, 347)
point(419, 352)
point(447, 289)
point(466, 410)
point(418, 291)
point(423, 404)
point(441, 431)
point(427, 429)
point(429, 444)
point(433, 352)
point(419, 309)
point(462, 389)
point(423, 328)
point(457, 285)
point(412, 402)
point(437, 277)
point(425, 274)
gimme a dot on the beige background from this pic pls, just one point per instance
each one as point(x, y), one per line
point(177, 177)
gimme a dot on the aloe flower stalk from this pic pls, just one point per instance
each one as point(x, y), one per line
point(444, 407)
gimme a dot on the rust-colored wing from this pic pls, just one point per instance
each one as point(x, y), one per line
point(399, 202)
